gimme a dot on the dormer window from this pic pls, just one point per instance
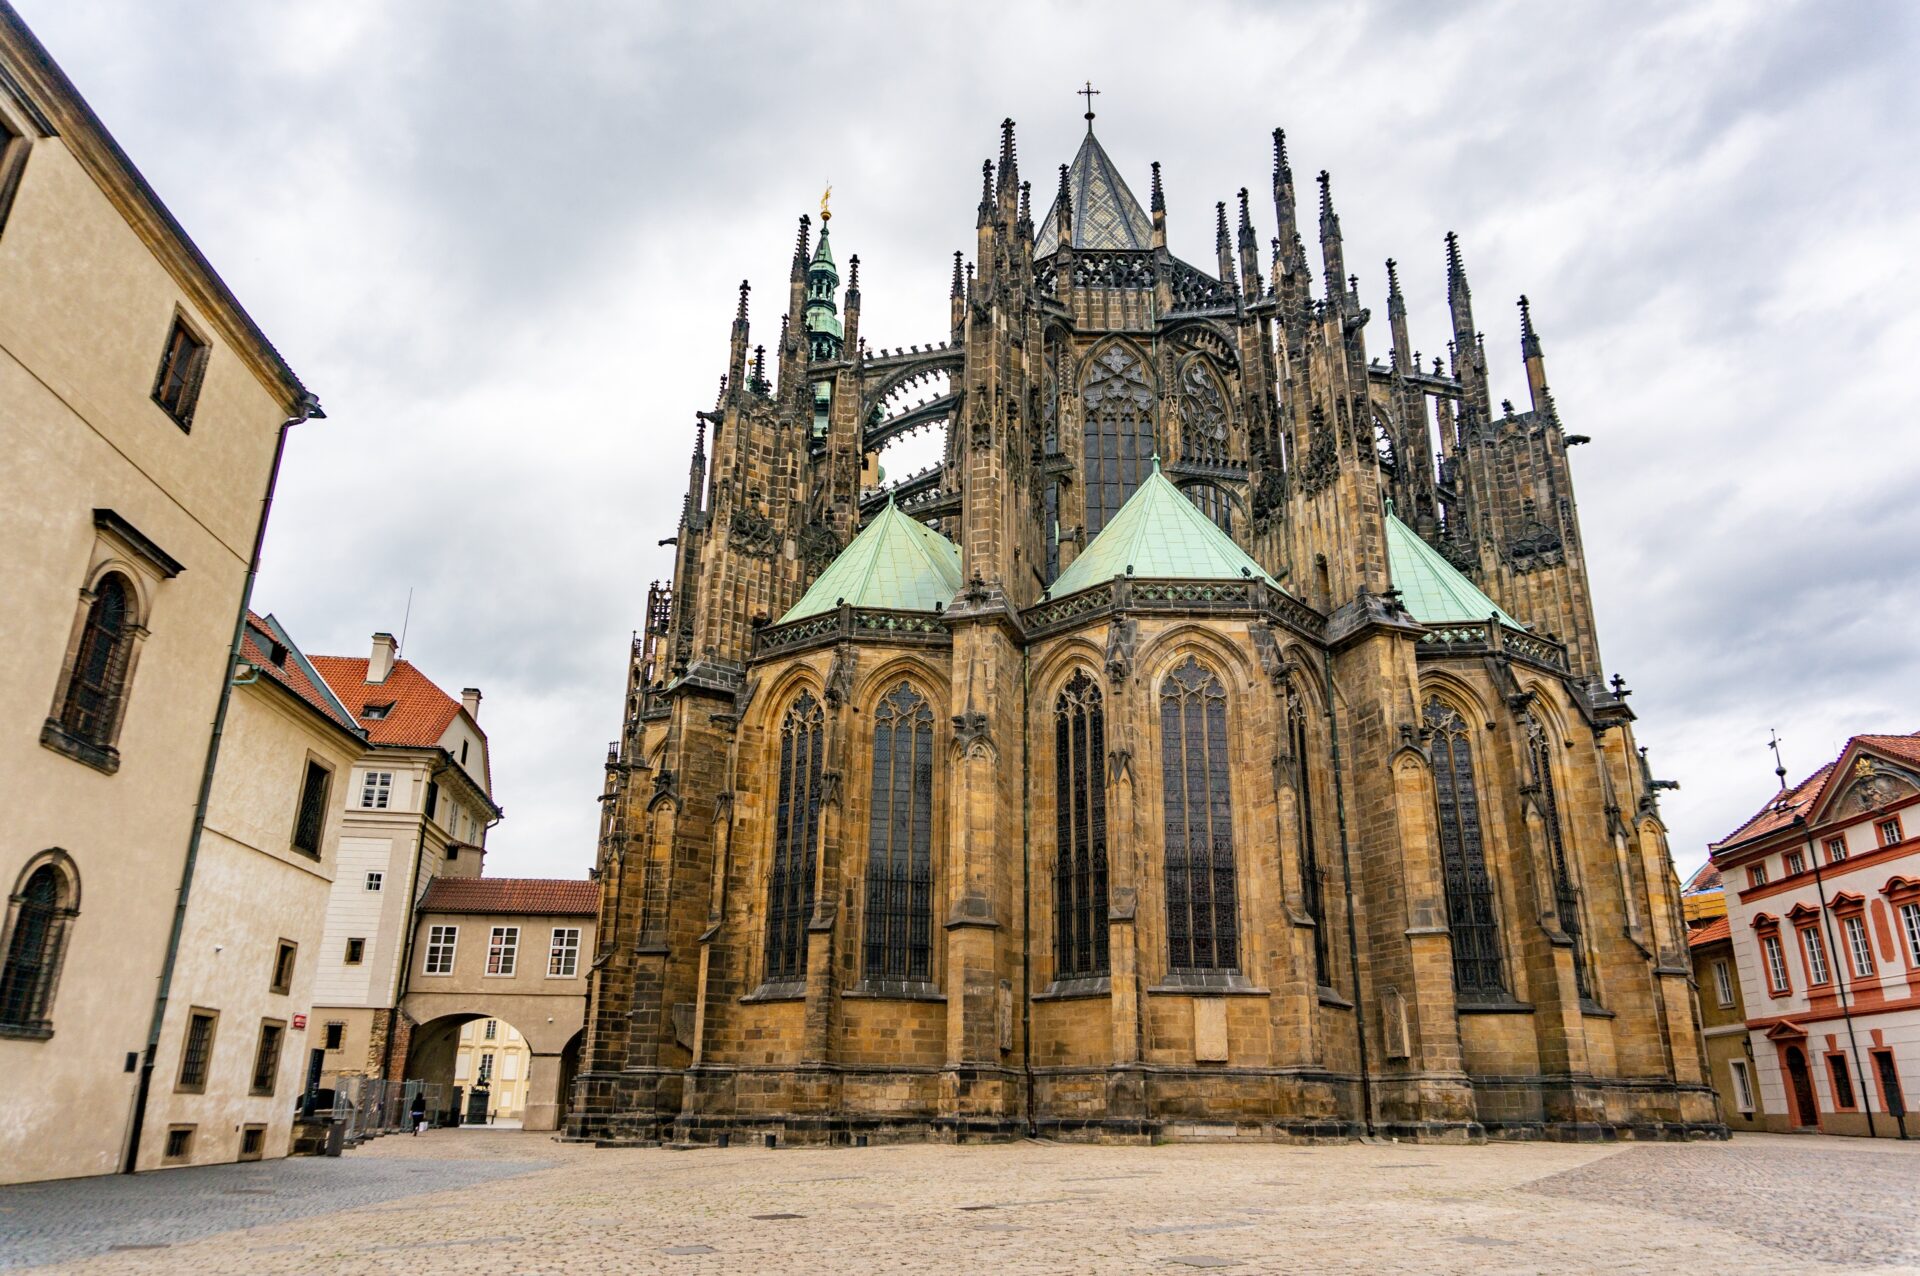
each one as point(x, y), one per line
point(376, 712)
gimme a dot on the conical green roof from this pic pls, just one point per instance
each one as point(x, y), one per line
point(1159, 533)
point(895, 561)
point(1431, 588)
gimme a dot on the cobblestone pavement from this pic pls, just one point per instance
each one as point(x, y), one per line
point(495, 1201)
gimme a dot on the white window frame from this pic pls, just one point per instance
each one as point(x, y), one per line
point(1757, 874)
point(1836, 848)
point(503, 952)
point(1723, 982)
point(1910, 923)
point(563, 951)
point(1890, 825)
point(442, 943)
point(1859, 947)
point(1776, 957)
point(485, 1074)
point(376, 791)
point(1795, 863)
point(376, 879)
point(1819, 973)
point(1742, 1086)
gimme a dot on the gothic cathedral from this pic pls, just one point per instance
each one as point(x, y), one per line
point(1214, 743)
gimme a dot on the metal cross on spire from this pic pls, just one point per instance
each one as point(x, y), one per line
point(1779, 767)
point(1088, 93)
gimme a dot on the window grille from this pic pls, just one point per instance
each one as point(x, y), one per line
point(899, 920)
point(1566, 898)
point(97, 683)
point(1202, 915)
point(308, 827)
point(1119, 403)
point(563, 955)
point(796, 838)
point(1312, 889)
point(196, 1054)
point(36, 943)
point(1470, 912)
point(1080, 824)
point(266, 1057)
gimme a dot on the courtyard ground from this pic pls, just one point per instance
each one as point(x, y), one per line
point(509, 1201)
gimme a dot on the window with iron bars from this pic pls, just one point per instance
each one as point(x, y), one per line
point(899, 904)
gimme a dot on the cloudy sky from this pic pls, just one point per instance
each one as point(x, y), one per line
point(501, 241)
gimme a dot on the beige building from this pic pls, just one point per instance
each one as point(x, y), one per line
point(142, 414)
point(415, 808)
point(513, 953)
point(235, 1045)
point(1721, 1014)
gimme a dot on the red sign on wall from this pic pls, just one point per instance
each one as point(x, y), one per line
point(299, 1021)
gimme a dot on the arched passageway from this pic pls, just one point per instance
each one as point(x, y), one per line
point(496, 1074)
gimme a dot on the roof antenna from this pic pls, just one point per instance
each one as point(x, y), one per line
point(1779, 767)
point(404, 619)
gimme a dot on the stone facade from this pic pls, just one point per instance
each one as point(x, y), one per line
point(1430, 893)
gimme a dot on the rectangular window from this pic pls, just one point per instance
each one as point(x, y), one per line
point(486, 1070)
point(1757, 875)
point(283, 961)
point(336, 1035)
point(196, 1054)
point(1910, 923)
point(1842, 1081)
point(356, 951)
point(503, 950)
point(1858, 948)
point(1816, 955)
point(1796, 863)
point(177, 386)
point(441, 941)
point(1742, 1086)
point(179, 1143)
point(253, 1142)
point(1889, 831)
point(1776, 964)
point(376, 790)
point(375, 881)
point(13, 159)
point(493, 1029)
point(433, 799)
point(266, 1056)
point(563, 957)
point(1723, 982)
point(312, 821)
point(1836, 849)
point(1891, 1096)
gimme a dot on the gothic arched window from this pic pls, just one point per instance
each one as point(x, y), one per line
point(1203, 416)
point(1119, 433)
point(97, 683)
point(1463, 861)
point(796, 839)
point(900, 840)
point(1310, 885)
point(1202, 932)
point(1566, 898)
point(1080, 822)
point(36, 936)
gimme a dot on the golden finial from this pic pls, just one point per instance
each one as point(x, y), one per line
point(825, 215)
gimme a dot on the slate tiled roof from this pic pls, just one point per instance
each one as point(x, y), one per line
point(293, 671)
point(1105, 213)
point(1719, 930)
point(534, 896)
point(896, 561)
point(1159, 534)
point(421, 712)
point(1431, 588)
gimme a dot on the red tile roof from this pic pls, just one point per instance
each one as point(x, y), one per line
point(1779, 811)
point(539, 896)
point(262, 634)
point(1713, 932)
point(421, 712)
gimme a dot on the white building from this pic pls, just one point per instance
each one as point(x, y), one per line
point(1823, 900)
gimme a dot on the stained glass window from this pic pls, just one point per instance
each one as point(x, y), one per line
point(796, 839)
point(1566, 899)
point(900, 840)
point(1463, 863)
point(1202, 929)
point(1080, 849)
point(1119, 403)
point(1310, 885)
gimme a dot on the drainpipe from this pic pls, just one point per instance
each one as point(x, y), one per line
point(306, 408)
point(1840, 957)
point(1346, 882)
point(1026, 883)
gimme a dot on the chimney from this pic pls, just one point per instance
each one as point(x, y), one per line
point(470, 701)
point(381, 662)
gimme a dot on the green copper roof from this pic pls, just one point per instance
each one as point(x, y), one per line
point(896, 561)
point(1159, 533)
point(1433, 589)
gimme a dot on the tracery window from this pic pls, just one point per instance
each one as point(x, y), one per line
point(1202, 931)
point(796, 838)
point(1203, 416)
point(39, 913)
point(1314, 896)
point(900, 840)
point(1476, 935)
point(1119, 433)
point(96, 685)
point(1566, 899)
point(1080, 823)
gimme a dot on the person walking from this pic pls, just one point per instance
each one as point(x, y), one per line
point(419, 1113)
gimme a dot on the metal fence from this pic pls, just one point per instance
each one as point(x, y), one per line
point(373, 1107)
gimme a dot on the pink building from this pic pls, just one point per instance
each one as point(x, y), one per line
point(1823, 902)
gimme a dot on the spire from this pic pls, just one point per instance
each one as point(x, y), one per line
point(853, 277)
point(1280, 165)
point(957, 299)
point(1393, 286)
point(1459, 297)
point(800, 242)
point(1223, 244)
point(1246, 220)
point(1009, 170)
point(1026, 203)
point(737, 348)
point(986, 190)
point(1529, 339)
point(1403, 358)
point(1536, 364)
point(1249, 250)
point(957, 291)
point(1063, 209)
point(1105, 214)
point(758, 384)
point(825, 337)
point(740, 315)
point(1158, 201)
point(1333, 259)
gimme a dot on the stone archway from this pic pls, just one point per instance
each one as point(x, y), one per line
point(526, 1069)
